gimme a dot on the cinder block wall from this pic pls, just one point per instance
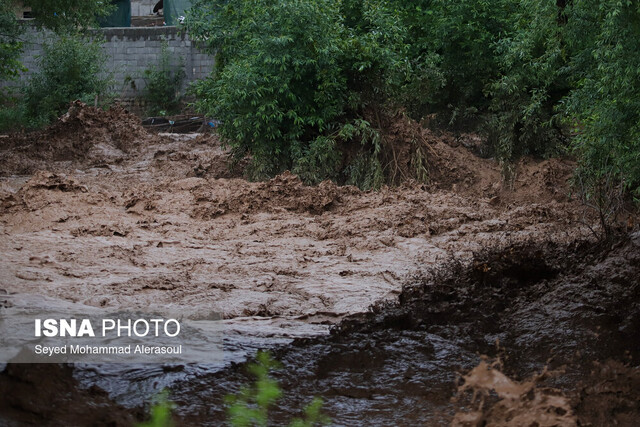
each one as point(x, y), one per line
point(133, 50)
point(130, 51)
point(142, 7)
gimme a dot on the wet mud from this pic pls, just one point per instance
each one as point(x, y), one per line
point(125, 219)
point(561, 319)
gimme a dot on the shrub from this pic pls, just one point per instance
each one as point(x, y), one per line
point(292, 74)
point(160, 412)
point(163, 84)
point(251, 405)
point(534, 80)
point(10, 45)
point(71, 67)
point(12, 117)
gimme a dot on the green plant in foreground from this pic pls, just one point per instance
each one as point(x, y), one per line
point(250, 407)
point(160, 412)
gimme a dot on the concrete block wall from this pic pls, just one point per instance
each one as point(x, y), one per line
point(32, 50)
point(142, 7)
point(129, 51)
point(134, 50)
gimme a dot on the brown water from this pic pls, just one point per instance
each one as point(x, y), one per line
point(159, 221)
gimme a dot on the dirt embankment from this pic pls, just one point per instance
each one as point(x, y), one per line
point(84, 136)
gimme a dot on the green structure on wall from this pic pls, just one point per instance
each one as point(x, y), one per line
point(174, 9)
point(121, 17)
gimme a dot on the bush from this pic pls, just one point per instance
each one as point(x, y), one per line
point(292, 74)
point(163, 84)
point(250, 407)
point(12, 117)
point(71, 67)
point(604, 107)
point(160, 412)
point(10, 45)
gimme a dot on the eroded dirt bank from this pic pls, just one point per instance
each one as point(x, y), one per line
point(97, 211)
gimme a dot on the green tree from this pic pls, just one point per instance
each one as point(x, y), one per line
point(60, 16)
point(452, 50)
point(71, 67)
point(297, 81)
point(533, 80)
point(68, 15)
point(571, 78)
point(292, 73)
point(604, 106)
point(10, 44)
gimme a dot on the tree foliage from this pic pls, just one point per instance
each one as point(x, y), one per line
point(604, 106)
point(67, 15)
point(70, 68)
point(297, 79)
point(60, 16)
point(10, 44)
point(532, 60)
point(452, 50)
point(301, 84)
point(292, 73)
point(570, 78)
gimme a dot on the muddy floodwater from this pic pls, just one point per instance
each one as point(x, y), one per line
point(378, 302)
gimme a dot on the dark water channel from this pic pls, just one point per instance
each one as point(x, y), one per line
point(532, 305)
